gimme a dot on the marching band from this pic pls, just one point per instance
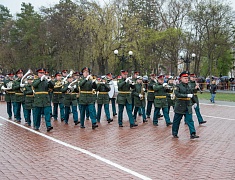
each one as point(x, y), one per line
point(36, 94)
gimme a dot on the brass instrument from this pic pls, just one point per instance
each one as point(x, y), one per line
point(58, 84)
point(72, 85)
point(23, 78)
point(70, 74)
point(173, 94)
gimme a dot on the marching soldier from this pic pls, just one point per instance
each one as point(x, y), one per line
point(19, 95)
point(170, 93)
point(150, 94)
point(183, 106)
point(103, 99)
point(124, 98)
point(70, 99)
point(160, 101)
point(86, 98)
point(57, 97)
point(41, 87)
point(139, 98)
point(10, 94)
point(29, 99)
point(195, 87)
point(112, 93)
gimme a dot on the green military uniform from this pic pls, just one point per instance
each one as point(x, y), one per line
point(42, 100)
point(160, 102)
point(183, 106)
point(124, 99)
point(103, 99)
point(57, 99)
point(87, 98)
point(192, 85)
point(70, 99)
point(29, 101)
point(10, 96)
point(150, 97)
point(19, 98)
point(139, 100)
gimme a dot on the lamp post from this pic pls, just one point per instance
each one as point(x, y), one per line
point(122, 57)
point(187, 59)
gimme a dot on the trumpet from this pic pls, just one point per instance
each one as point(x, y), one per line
point(70, 74)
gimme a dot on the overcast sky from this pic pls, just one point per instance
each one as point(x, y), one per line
point(15, 5)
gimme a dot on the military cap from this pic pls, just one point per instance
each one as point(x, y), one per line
point(10, 74)
point(170, 77)
point(139, 77)
point(19, 71)
point(192, 75)
point(160, 77)
point(124, 71)
point(153, 75)
point(30, 77)
point(58, 74)
point(109, 74)
point(86, 69)
point(64, 71)
point(184, 74)
point(136, 72)
point(103, 77)
point(76, 73)
point(41, 70)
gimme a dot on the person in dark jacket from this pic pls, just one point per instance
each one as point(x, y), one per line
point(103, 99)
point(213, 88)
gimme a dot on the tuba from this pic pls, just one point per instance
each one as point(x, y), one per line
point(23, 78)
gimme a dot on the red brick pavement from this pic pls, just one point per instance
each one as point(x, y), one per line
point(150, 151)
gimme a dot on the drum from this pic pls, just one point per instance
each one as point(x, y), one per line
point(115, 89)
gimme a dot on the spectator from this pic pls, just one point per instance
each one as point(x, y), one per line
point(213, 88)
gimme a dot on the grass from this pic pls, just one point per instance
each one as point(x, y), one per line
point(219, 96)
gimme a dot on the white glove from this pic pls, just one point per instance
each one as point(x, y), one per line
point(102, 82)
point(140, 95)
point(172, 95)
point(93, 80)
point(49, 79)
point(164, 84)
point(3, 88)
point(69, 86)
point(75, 86)
point(22, 85)
point(144, 89)
point(132, 83)
point(88, 77)
point(189, 95)
point(127, 79)
point(195, 105)
point(43, 77)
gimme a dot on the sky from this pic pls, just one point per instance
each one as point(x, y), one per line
point(15, 5)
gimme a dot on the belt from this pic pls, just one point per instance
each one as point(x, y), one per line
point(150, 91)
point(86, 92)
point(41, 92)
point(124, 92)
point(70, 93)
point(160, 97)
point(57, 92)
point(185, 99)
point(20, 94)
point(103, 92)
point(11, 92)
point(29, 95)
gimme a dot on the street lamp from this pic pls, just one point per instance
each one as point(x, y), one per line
point(187, 59)
point(122, 57)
